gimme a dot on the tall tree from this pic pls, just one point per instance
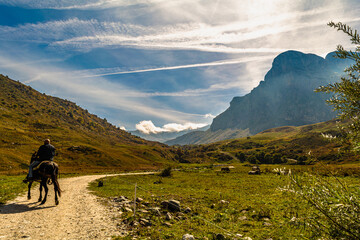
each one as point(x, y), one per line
point(346, 93)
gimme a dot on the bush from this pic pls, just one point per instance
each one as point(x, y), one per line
point(334, 208)
point(166, 172)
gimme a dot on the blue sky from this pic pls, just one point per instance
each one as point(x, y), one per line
point(169, 64)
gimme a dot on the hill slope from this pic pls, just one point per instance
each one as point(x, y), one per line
point(287, 144)
point(84, 141)
point(286, 97)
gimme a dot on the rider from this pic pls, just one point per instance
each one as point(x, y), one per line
point(46, 152)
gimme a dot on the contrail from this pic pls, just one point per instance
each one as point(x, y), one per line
point(217, 63)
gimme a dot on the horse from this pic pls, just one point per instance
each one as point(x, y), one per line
point(45, 173)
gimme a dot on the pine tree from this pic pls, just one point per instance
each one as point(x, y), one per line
point(346, 93)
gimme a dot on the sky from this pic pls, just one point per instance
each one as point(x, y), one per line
point(160, 65)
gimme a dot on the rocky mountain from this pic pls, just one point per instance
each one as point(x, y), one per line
point(286, 97)
point(84, 142)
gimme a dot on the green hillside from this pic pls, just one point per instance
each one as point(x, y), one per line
point(84, 142)
point(290, 145)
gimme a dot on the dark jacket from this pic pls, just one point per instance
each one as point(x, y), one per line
point(46, 152)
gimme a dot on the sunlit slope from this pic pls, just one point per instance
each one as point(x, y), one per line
point(296, 145)
point(84, 141)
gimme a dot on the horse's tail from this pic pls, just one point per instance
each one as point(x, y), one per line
point(55, 181)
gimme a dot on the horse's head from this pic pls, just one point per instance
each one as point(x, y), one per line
point(34, 157)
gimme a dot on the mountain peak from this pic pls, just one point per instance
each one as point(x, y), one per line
point(285, 97)
point(291, 60)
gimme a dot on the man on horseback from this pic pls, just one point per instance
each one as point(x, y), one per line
point(46, 152)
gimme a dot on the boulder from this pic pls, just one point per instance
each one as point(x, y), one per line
point(164, 204)
point(174, 206)
point(188, 237)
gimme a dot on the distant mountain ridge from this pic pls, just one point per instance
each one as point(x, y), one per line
point(286, 97)
point(165, 136)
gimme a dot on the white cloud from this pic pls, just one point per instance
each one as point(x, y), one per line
point(148, 127)
point(209, 115)
point(258, 27)
point(123, 128)
point(76, 4)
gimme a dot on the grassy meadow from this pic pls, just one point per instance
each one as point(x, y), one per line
point(232, 204)
point(10, 187)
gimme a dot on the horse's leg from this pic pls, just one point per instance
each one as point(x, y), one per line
point(29, 188)
point(43, 182)
point(40, 189)
point(56, 189)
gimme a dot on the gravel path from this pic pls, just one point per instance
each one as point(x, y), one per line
point(79, 215)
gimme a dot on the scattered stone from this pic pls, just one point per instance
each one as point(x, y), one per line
point(127, 204)
point(134, 223)
point(255, 170)
point(120, 199)
point(168, 216)
point(126, 209)
point(145, 222)
point(167, 224)
point(219, 236)
point(187, 210)
point(223, 202)
point(266, 219)
point(267, 224)
point(247, 238)
point(143, 211)
point(188, 237)
point(238, 235)
point(242, 218)
point(174, 206)
point(139, 199)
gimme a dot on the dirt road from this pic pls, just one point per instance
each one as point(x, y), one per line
point(79, 215)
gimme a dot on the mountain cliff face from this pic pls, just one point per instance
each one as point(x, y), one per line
point(286, 97)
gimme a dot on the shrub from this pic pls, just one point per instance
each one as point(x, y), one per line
point(335, 208)
point(166, 172)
